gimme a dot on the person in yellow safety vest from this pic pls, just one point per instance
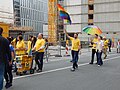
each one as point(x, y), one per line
point(39, 48)
point(20, 47)
point(94, 44)
point(105, 47)
point(29, 45)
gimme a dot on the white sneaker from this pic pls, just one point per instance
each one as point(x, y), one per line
point(98, 65)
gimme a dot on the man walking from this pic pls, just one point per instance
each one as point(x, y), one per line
point(5, 56)
point(105, 47)
point(40, 49)
point(76, 46)
point(94, 43)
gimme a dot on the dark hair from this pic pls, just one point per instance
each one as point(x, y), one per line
point(30, 37)
point(96, 35)
point(33, 41)
point(1, 31)
point(9, 39)
point(101, 37)
point(42, 35)
point(21, 38)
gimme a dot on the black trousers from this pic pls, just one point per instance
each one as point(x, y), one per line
point(39, 59)
point(8, 74)
point(109, 48)
point(93, 54)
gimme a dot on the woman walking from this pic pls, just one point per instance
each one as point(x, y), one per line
point(99, 49)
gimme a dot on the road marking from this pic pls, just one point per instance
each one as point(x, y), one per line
point(81, 56)
point(59, 69)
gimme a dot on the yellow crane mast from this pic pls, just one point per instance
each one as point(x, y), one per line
point(52, 21)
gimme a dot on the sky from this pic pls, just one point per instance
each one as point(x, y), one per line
point(6, 6)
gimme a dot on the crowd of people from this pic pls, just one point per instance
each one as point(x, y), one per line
point(10, 47)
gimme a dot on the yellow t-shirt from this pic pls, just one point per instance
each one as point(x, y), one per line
point(40, 43)
point(29, 46)
point(106, 44)
point(75, 43)
point(20, 44)
point(95, 40)
point(14, 42)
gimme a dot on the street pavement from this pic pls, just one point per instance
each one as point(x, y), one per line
point(56, 75)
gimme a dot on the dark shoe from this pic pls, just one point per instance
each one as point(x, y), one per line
point(8, 85)
point(105, 56)
point(39, 70)
point(76, 67)
point(72, 69)
point(71, 61)
point(90, 63)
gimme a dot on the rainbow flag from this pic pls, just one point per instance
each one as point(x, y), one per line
point(63, 14)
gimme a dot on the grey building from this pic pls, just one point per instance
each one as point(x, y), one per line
point(31, 13)
point(107, 16)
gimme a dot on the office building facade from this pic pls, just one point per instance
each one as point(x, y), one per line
point(103, 13)
point(31, 13)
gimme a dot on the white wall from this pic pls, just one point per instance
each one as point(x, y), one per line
point(6, 6)
point(73, 28)
point(73, 7)
point(72, 2)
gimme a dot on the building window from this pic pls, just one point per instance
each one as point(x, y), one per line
point(91, 7)
point(90, 16)
point(90, 24)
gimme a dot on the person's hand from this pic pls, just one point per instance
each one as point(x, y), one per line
point(65, 31)
point(33, 50)
point(10, 63)
point(16, 49)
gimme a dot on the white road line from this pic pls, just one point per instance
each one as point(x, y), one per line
point(81, 56)
point(59, 69)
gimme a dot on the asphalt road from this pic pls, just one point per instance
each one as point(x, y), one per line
point(56, 75)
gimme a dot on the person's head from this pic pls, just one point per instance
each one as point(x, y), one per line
point(99, 38)
point(1, 31)
point(20, 38)
point(96, 36)
point(30, 37)
point(9, 39)
point(34, 39)
point(40, 36)
point(104, 38)
point(75, 35)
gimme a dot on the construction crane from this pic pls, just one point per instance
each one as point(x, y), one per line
point(52, 21)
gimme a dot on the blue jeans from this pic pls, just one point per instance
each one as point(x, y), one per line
point(99, 58)
point(75, 58)
point(2, 67)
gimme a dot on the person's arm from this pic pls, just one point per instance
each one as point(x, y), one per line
point(79, 45)
point(8, 51)
point(33, 49)
point(67, 34)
